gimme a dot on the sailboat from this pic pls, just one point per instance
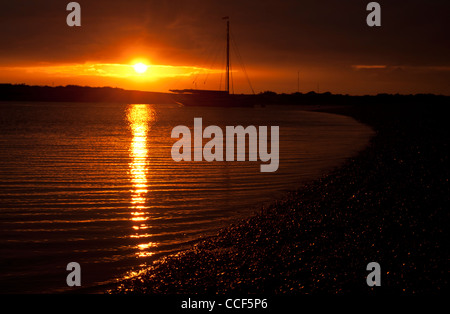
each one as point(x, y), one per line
point(214, 98)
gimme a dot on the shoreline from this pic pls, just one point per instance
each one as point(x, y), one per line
point(387, 205)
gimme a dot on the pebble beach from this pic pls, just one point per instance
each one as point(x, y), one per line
point(388, 204)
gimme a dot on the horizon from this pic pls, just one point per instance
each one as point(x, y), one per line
point(286, 48)
point(259, 93)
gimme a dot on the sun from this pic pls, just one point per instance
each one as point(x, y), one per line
point(140, 67)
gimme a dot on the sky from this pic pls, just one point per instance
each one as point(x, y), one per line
point(285, 46)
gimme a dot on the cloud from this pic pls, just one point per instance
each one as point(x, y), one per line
point(114, 70)
point(413, 68)
point(369, 67)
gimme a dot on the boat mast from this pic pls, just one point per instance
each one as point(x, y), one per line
point(227, 82)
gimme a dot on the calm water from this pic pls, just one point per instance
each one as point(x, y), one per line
point(96, 184)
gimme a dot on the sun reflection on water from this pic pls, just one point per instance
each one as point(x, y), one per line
point(140, 117)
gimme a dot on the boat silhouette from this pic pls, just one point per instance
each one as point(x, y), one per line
point(214, 98)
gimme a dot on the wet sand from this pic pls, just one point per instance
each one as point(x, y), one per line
point(387, 205)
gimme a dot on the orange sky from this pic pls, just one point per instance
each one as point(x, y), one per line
point(328, 45)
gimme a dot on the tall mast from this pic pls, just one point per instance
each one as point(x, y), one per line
point(227, 83)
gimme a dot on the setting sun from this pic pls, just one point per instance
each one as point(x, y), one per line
point(140, 67)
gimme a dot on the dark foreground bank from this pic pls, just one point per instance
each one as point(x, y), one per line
point(387, 205)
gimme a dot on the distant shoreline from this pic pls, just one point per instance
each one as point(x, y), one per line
point(74, 93)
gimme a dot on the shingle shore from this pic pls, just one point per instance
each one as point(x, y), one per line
point(388, 205)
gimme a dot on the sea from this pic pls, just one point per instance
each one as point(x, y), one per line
point(95, 184)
